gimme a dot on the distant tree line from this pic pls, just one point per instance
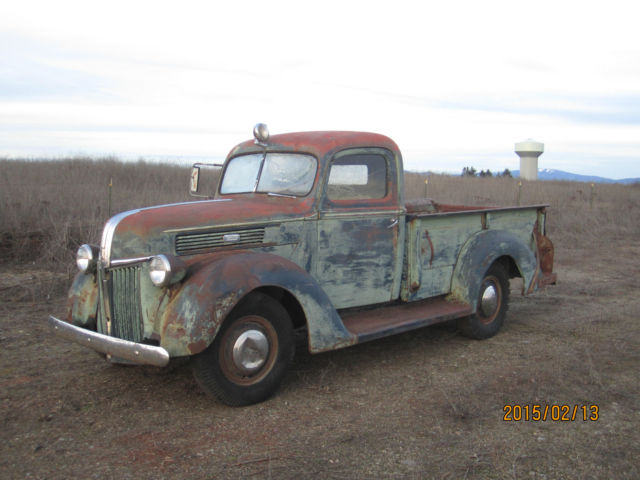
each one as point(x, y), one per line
point(472, 172)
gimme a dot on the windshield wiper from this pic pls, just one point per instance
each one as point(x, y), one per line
point(272, 194)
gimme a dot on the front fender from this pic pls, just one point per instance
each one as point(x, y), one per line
point(480, 252)
point(215, 285)
point(82, 301)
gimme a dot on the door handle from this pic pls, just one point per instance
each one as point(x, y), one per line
point(393, 223)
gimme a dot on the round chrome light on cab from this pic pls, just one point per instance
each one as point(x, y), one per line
point(165, 270)
point(87, 258)
point(261, 133)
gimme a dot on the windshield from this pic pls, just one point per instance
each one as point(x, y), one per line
point(282, 173)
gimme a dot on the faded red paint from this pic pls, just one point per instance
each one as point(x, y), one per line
point(318, 144)
point(241, 209)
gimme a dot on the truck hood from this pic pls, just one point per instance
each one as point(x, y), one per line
point(154, 230)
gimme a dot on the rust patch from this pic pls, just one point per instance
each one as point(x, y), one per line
point(428, 237)
point(380, 322)
point(197, 347)
point(82, 301)
point(445, 208)
point(544, 254)
point(224, 305)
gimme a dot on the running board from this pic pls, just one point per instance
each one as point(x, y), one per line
point(397, 318)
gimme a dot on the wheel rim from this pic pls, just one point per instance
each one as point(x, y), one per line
point(490, 300)
point(249, 349)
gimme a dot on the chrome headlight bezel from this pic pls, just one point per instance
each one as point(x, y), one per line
point(87, 258)
point(165, 270)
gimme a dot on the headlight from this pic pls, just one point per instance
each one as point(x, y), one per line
point(87, 258)
point(165, 270)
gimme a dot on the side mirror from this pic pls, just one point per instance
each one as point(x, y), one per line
point(195, 178)
point(204, 179)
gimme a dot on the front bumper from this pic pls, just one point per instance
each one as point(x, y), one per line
point(137, 353)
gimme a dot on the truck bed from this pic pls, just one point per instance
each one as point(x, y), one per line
point(437, 232)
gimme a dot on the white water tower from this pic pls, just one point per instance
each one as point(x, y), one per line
point(529, 150)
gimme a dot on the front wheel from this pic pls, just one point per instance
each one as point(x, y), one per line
point(250, 355)
point(493, 301)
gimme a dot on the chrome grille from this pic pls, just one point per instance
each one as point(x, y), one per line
point(126, 312)
point(189, 243)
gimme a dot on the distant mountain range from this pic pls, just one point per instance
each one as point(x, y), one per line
point(550, 174)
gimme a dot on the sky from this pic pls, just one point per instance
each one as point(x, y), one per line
point(454, 83)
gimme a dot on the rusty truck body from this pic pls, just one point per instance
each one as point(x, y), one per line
point(305, 231)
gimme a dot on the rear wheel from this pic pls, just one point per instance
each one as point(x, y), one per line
point(493, 301)
point(250, 355)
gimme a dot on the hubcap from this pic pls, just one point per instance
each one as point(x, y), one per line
point(250, 351)
point(489, 301)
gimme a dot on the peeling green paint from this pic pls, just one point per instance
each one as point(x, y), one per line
point(82, 301)
point(479, 253)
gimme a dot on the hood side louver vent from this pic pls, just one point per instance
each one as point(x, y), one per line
point(191, 243)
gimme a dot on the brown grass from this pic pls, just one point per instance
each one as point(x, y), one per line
point(48, 208)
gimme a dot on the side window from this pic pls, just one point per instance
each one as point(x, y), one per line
point(358, 177)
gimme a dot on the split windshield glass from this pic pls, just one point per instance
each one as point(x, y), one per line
point(279, 173)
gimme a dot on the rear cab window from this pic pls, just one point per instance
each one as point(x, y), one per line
point(357, 176)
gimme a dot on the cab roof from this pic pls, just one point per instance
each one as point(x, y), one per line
point(318, 144)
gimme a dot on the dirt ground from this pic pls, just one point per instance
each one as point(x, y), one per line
point(426, 404)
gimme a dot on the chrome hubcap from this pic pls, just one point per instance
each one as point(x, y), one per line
point(489, 301)
point(250, 351)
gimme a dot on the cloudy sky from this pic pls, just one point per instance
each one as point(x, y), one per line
point(454, 83)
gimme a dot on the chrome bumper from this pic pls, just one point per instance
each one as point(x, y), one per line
point(137, 353)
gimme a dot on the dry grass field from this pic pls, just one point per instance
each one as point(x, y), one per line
point(427, 404)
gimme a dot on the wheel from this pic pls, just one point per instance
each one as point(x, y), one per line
point(250, 355)
point(493, 301)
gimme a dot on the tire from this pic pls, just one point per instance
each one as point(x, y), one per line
point(493, 302)
point(261, 331)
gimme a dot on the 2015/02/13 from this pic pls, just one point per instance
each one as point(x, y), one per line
point(556, 413)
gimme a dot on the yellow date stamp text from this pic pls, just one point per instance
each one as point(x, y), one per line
point(554, 413)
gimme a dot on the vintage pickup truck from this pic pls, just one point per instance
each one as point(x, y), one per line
point(305, 232)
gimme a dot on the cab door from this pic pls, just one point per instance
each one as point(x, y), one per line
point(358, 260)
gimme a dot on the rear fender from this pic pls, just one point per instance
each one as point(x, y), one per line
point(196, 310)
point(479, 253)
